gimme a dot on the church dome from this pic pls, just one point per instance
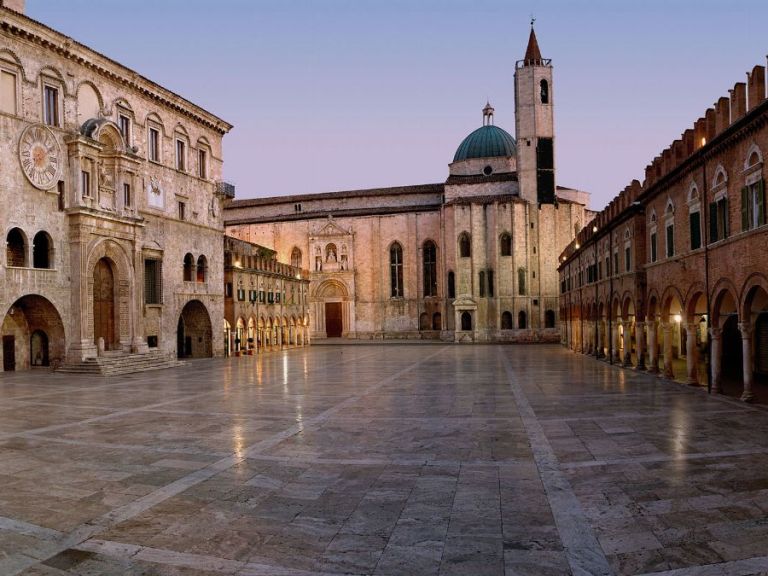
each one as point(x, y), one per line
point(488, 141)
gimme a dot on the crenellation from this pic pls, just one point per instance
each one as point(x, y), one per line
point(738, 101)
point(755, 87)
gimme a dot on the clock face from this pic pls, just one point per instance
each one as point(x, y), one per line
point(40, 155)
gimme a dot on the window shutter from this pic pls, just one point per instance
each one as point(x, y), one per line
point(726, 219)
point(744, 208)
point(695, 222)
point(760, 203)
point(713, 222)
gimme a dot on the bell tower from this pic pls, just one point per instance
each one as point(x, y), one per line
point(534, 125)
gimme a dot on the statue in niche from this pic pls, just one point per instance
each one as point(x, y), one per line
point(331, 257)
point(318, 263)
point(344, 263)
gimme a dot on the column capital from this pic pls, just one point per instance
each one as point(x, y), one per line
point(746, 329)
point(666, 326)
point(715, 333)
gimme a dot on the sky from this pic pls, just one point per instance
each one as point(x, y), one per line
point(349, 94)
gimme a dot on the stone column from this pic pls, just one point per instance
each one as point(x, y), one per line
point(668, 371)
point(615, 341)
point(715, 354)
point(746, 342)
point(627, 360)
point(640, 336)
point(691, 355)
point(653, 347)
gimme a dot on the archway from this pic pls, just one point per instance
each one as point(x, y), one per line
point(332, 307)
point(674, 334)
point(32, 334)
point(466, 321)
point(506, 320)
point(105, 321)
point(522, 320)
point(194, 333)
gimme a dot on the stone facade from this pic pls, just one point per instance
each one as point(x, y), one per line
point(266, 303)
point(472, 259)
point(685, 290)
point(108, 181)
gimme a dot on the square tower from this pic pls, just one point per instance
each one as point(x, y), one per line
point(534, 125)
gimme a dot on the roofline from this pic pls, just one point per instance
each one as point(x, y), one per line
point(129, 77)
point(393, 191)
point(347, 213)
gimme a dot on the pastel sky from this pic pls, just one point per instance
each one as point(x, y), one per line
point(344, 94)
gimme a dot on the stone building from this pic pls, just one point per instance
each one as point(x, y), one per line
point(265, 301)
point(108, 181)
point(672, 275)
point(471, 259)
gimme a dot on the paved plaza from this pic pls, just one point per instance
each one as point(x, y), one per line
point(380, 459)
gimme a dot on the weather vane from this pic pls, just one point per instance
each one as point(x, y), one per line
point(532, 20)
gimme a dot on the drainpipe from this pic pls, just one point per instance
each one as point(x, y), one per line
point(610, 295)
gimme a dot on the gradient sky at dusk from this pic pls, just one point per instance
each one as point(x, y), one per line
point(344, 94)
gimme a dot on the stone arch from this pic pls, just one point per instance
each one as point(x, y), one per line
point(12, 59)
point(194, 333)
point(725, 302)
point(17, 248)
point(120, 265)
point(720, 176)
point(627, 306)
point(671, 303)
point(52, 71)
point(189, 267)
point(695, 301)
point(33, 334)
point(90, 103)
point(753, 157)
point(202, 269)
point(42, 250)
point(754, 287)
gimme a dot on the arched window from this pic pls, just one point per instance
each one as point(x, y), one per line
point(296, 257)
point(465, 247)
point(522, 320)
point(521, 281)
point(42, 251)
point(437, 321)
point(506, 320)
point(451, 285)
point(16, 248)
point(189, 267)
point(466, 321)
point(202, 268)
point(430, 268)
point(424, 321)
point(396, 270)
point(549, 319)
point(505, 242)
point(544, 91)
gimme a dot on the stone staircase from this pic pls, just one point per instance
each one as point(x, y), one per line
point(116, 363)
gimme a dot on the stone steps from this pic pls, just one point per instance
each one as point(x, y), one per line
point(115, 364)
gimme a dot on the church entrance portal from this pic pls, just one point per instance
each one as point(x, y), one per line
point(104, 303)
point(333, 323)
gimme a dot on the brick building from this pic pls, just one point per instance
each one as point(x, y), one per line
point(471, 259)
point(671, 276)
point(110, 183)
point(265, 302)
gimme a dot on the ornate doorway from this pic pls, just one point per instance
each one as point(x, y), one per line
point(333, 322)
point(104, 304)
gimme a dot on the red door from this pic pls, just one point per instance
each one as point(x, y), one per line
point(333, 325)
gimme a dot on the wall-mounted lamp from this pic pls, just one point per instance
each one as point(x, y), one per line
point(677, 318)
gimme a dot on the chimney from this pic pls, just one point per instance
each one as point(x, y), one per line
point(709, 117)
point(722, 114)
point(15, 5)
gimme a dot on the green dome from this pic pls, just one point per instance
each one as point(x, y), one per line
point(488, 141)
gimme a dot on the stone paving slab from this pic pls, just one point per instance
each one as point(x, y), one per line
point(380, 459)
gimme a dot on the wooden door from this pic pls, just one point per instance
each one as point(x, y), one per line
point(103, 304)
point(333, 323)
point(9, 353)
